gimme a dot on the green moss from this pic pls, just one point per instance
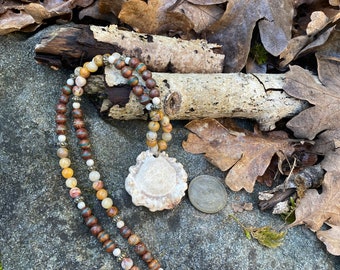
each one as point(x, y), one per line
point(259, 53)
point(266, 236)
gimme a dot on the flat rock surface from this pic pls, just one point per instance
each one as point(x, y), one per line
point(40, 227)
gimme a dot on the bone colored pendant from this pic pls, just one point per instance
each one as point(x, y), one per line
point(157, 183)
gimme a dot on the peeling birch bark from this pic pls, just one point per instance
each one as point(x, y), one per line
point(193, 96)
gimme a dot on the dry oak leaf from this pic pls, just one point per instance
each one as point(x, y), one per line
point(153, 17)
point(234, 29)
point(315, 209)
point(331, 239)
point(201, 15)
point(246, 154)
point(325, 113)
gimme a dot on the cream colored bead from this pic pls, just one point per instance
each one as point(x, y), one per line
point(120, 224)
point(90, 162)
point(61, 138)
point(156, 101)
point(71, 182)
point(81, 205)
point(64, 162)
point(166, 136)
point(70, 81)
point(151, 135)
point(113, 57)
point(165, 120)
point(75, 105)
point(116, 252)
point(107, 203)
point(94, 176)
point(92, 67)
point(80, 81)
point(77, 71)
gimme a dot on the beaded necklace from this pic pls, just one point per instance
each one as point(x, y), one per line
point(149, 97)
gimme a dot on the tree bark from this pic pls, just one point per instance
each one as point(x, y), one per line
point(193, 96)
point(69, 46)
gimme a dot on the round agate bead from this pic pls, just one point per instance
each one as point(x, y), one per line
point(75, 192)
point(94, 176)
point(127, 263)
point(71, 182)
point(64, 162)
point(107, 203)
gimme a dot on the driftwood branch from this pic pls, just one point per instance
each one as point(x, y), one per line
point(185, 96)
point(69, 46)
point(192, 96)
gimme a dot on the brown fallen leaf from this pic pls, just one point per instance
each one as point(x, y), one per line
point(246, 154)
point(306, 44)
point(153, 17)
point(325, 97)
point(315, 209)
point(16, 16)
point(331, 239)
point(235, 29)
point(201, 15)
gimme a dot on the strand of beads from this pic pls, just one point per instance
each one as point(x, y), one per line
point(147, 95)
point(77, 82)
point(75, 192)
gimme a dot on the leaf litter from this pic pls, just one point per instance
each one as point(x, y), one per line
point(288, 31)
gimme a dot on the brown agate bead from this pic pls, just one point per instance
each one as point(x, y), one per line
point(78, 123)
point(77, 113)
point(140, 248)
point(86, 154)
point(154, 93)
point(119, 64)
point(85, 144)
point(146, 74)
point(91, 221)
point(66, 90)
point(61, 129)
point(96, 229)
point(134, 268)
point(112, 211)
point(154, 265)
point(64, 98)
point(103, 236)
point(82, 133)
point(150, 83)
point(125, 231)
point(126, 72)
point(134, 62)
point(138, 90)
point(86, 212)
point(133, 239)
point(60, 118)
point(61, 108)
point(147, 257)
point(109, 245)
point(144, 99)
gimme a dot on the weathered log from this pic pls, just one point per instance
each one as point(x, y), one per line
point(69, 46)
point(192, 96)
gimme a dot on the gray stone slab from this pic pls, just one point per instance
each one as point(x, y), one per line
point(40, 228)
